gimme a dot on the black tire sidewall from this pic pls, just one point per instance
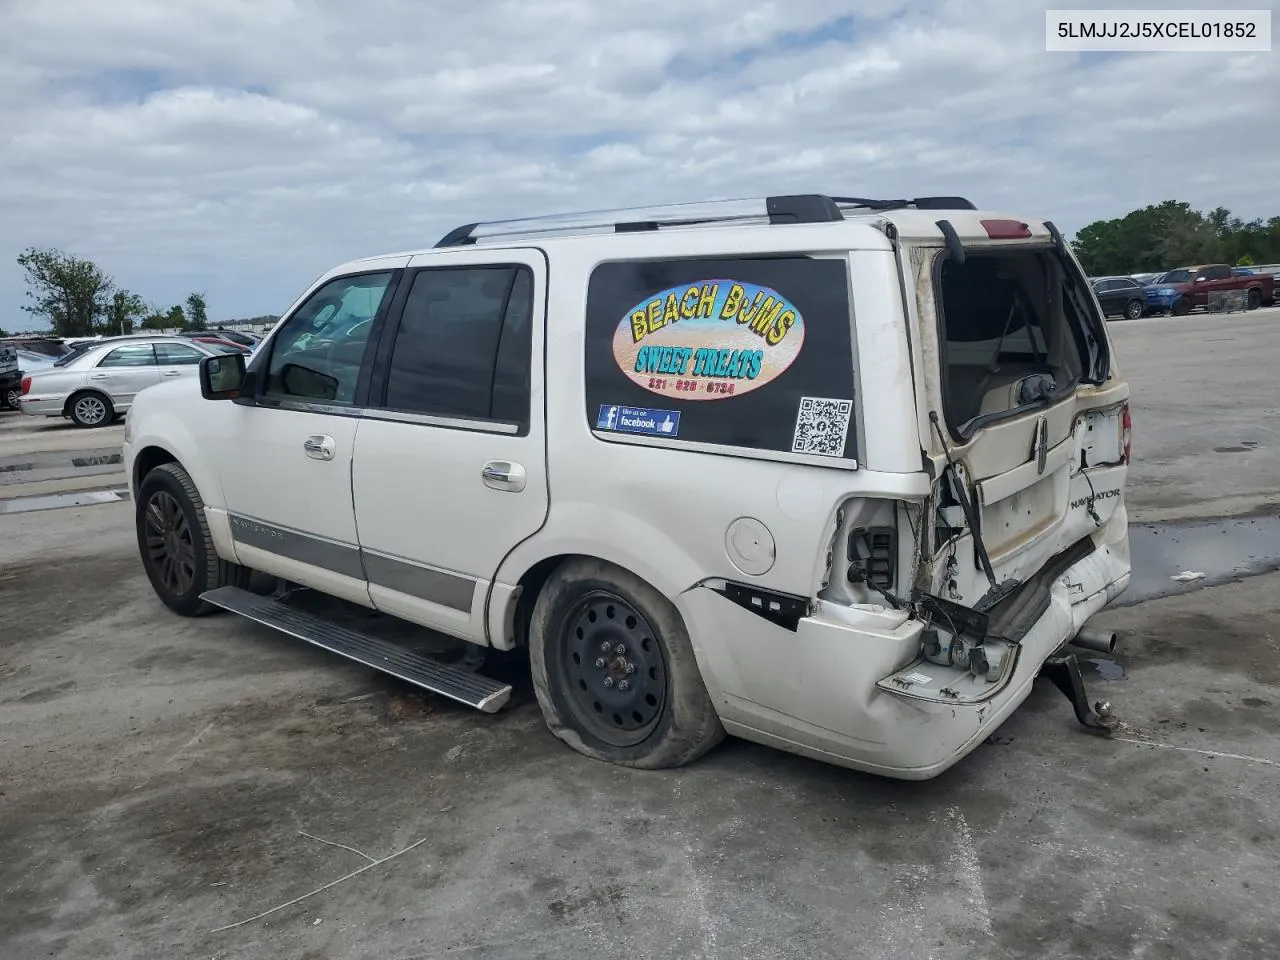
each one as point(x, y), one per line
point(106, 402)
point(688, 725)
point(1180, 308)
point(1254, 299)
point(1127, 310)
point(169, 478)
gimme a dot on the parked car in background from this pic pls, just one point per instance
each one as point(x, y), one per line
point(221, 345)
point(1120, 297)
point(1146, 278)
point(97, 382)
point(1242, 271)
point(1182, 290)
point(10, 377)
point(234, 336)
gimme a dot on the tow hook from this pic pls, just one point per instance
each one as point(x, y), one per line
point(1063, 669)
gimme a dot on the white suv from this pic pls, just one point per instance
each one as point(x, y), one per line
point(838, 475)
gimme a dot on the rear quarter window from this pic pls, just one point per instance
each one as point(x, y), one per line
point(752, 353)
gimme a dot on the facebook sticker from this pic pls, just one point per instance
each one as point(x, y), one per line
point(652, 423)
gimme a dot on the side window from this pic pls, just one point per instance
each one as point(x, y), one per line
point(515, 354)
point(1218, 273)
point(463, 344)
point(751, 352)
point(131, 355)
point(1126, 285)
point(177, 354)
point(1104, 286)
point(318, 352)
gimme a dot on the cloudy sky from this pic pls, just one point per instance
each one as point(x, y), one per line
point(241, 147)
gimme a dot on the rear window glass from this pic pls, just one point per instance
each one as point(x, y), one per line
point(741, 352)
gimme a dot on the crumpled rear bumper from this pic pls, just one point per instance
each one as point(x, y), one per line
point(814, 692)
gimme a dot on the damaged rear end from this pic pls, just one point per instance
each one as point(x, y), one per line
point(1025, 426)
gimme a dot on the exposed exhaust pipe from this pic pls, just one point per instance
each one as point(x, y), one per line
point(1091, 638)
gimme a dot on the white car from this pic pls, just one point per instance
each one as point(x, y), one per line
point(839, 476)
point(99, 379)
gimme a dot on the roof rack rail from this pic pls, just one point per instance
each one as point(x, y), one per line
point(789, 208)
point(795, 208)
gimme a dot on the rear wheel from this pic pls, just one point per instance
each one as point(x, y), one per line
point(1133, 309)
point(1255, 298)
point(11, 397)
point(614, 670)
point(1181, 307)
point(90, 409)
point(175, 543)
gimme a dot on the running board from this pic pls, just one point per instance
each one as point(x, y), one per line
point(442, 678)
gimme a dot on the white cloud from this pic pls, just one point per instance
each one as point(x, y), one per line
point(243, 146)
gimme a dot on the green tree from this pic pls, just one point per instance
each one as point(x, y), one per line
point(72, 293)
point(1244, 260)
point(124, 310)
point(176, 318)
point(156, 319)
point(197, 312)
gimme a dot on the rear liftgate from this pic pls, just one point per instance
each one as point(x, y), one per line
point(422, 671)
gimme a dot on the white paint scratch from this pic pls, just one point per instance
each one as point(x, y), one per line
point(189, 744)
point(334, 843)
point(1206, 753)
point(702, 912)
point(964, 860)
point(353, 873)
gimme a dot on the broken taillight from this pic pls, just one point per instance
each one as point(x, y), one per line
point(1126, 431)
point(26, 385)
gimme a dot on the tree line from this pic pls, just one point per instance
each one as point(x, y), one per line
point(1171, 234)
point(79, 299)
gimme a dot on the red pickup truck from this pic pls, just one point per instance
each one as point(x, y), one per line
point(1182, 290)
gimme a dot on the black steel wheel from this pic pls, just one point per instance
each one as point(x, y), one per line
point(614, 669)
point(175, 544)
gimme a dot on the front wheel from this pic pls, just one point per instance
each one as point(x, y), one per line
point(614, 670)
point(1182, 307)
point(1255, 299)
point(175, 543)
point(1133, 309)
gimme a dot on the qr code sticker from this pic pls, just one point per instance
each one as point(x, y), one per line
point(821, 426)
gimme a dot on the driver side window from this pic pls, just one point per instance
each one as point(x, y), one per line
point(318, 353)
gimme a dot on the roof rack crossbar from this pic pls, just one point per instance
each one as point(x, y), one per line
point(797, 208)
point(920, 203)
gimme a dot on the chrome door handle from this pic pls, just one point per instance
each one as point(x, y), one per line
point(99, 376)
point(503, 475)
point(320, 448)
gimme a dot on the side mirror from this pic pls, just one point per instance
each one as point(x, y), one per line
point(221, 377)
point(1201, 279)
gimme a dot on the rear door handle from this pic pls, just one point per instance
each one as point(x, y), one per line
point(503, 475)
point(99, 376)
point(320, 447)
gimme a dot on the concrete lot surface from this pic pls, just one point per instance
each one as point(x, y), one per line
point(164, 780)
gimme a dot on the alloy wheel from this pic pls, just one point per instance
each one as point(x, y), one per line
point(90, 410)
point(169, 546)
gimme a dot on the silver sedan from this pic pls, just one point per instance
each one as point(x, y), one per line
point(98, 380)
